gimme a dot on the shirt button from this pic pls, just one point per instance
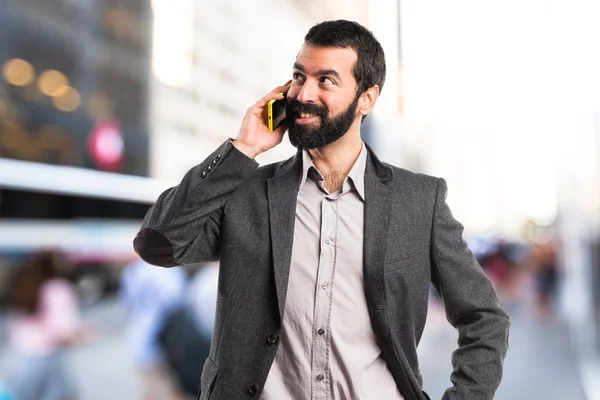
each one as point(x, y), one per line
point(324, 285)
point(321, 332)
point(272, 338)
point(327, 240)
point(253, 389)
point(320, 377)
point(218, 157)
point(203, 175)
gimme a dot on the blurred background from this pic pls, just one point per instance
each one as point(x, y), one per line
point(104, 104)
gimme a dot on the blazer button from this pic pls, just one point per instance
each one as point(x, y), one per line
point(272, 338)
point(253, 389)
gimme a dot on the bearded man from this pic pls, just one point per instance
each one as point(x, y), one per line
point(326, 259)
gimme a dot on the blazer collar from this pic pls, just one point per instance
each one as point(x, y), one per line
point(293, 166)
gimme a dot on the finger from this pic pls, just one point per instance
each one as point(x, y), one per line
point(284, 88)
point(274, 94)
point(262, 103)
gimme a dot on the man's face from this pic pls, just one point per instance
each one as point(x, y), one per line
point(322, 98)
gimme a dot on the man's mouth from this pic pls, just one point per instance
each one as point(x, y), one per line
point(305, 118)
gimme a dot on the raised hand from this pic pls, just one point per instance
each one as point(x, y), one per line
point(254, 136)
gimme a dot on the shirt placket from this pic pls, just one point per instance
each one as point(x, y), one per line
point(323, 301)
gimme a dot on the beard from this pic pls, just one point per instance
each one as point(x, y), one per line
point(330, 129)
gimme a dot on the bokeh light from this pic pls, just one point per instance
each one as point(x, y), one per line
point(53, 83)
point(69, 100)
point(18, 72)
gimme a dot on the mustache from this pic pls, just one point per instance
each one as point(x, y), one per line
point(295, 106)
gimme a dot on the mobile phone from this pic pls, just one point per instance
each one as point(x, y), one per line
point(276, 112)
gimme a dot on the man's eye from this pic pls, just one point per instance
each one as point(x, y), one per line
point(296, 76)
point(326, 80)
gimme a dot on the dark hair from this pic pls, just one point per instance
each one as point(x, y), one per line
point(32, 275)
point(369, 69)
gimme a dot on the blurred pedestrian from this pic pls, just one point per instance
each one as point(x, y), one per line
point(44, 322)
point(150, 295)
point(545, 263)
point(187, 332)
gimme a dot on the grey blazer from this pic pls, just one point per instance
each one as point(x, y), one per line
point(229, 209)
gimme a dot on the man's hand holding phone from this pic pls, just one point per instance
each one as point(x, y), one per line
point(254, 136)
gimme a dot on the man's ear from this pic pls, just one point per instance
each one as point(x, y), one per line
point(367, 100)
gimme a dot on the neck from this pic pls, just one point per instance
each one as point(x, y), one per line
point(337, 158)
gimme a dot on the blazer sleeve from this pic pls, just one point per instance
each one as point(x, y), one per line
point(472, 307)
point(183, 226)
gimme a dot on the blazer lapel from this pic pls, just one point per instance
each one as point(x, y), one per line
point(282, 195)
point(377, 217)
point(378, 207)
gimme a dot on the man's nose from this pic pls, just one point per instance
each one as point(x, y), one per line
point(308, 92)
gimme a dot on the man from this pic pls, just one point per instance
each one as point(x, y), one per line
point(326, 258)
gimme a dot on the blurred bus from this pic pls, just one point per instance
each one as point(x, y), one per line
point(92, 216)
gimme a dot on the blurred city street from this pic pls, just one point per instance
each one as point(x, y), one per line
point(104, 368)
point(105, 105)
point(539, 364)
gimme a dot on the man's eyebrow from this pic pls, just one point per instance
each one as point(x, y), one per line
point(299, 67)
point(321, 72)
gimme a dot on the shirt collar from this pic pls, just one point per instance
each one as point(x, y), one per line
point(355, 178)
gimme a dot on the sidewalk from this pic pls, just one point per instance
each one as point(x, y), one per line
point(590, 377)
point(539, 365)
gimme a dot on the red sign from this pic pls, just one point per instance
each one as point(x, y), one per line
point(106, 146)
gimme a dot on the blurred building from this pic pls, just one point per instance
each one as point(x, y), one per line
point(71, 69)
point(212, 60)
point(74, 126)
point(504, 102)
point(105, 104)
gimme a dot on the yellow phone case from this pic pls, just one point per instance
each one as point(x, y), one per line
point(270, 113)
